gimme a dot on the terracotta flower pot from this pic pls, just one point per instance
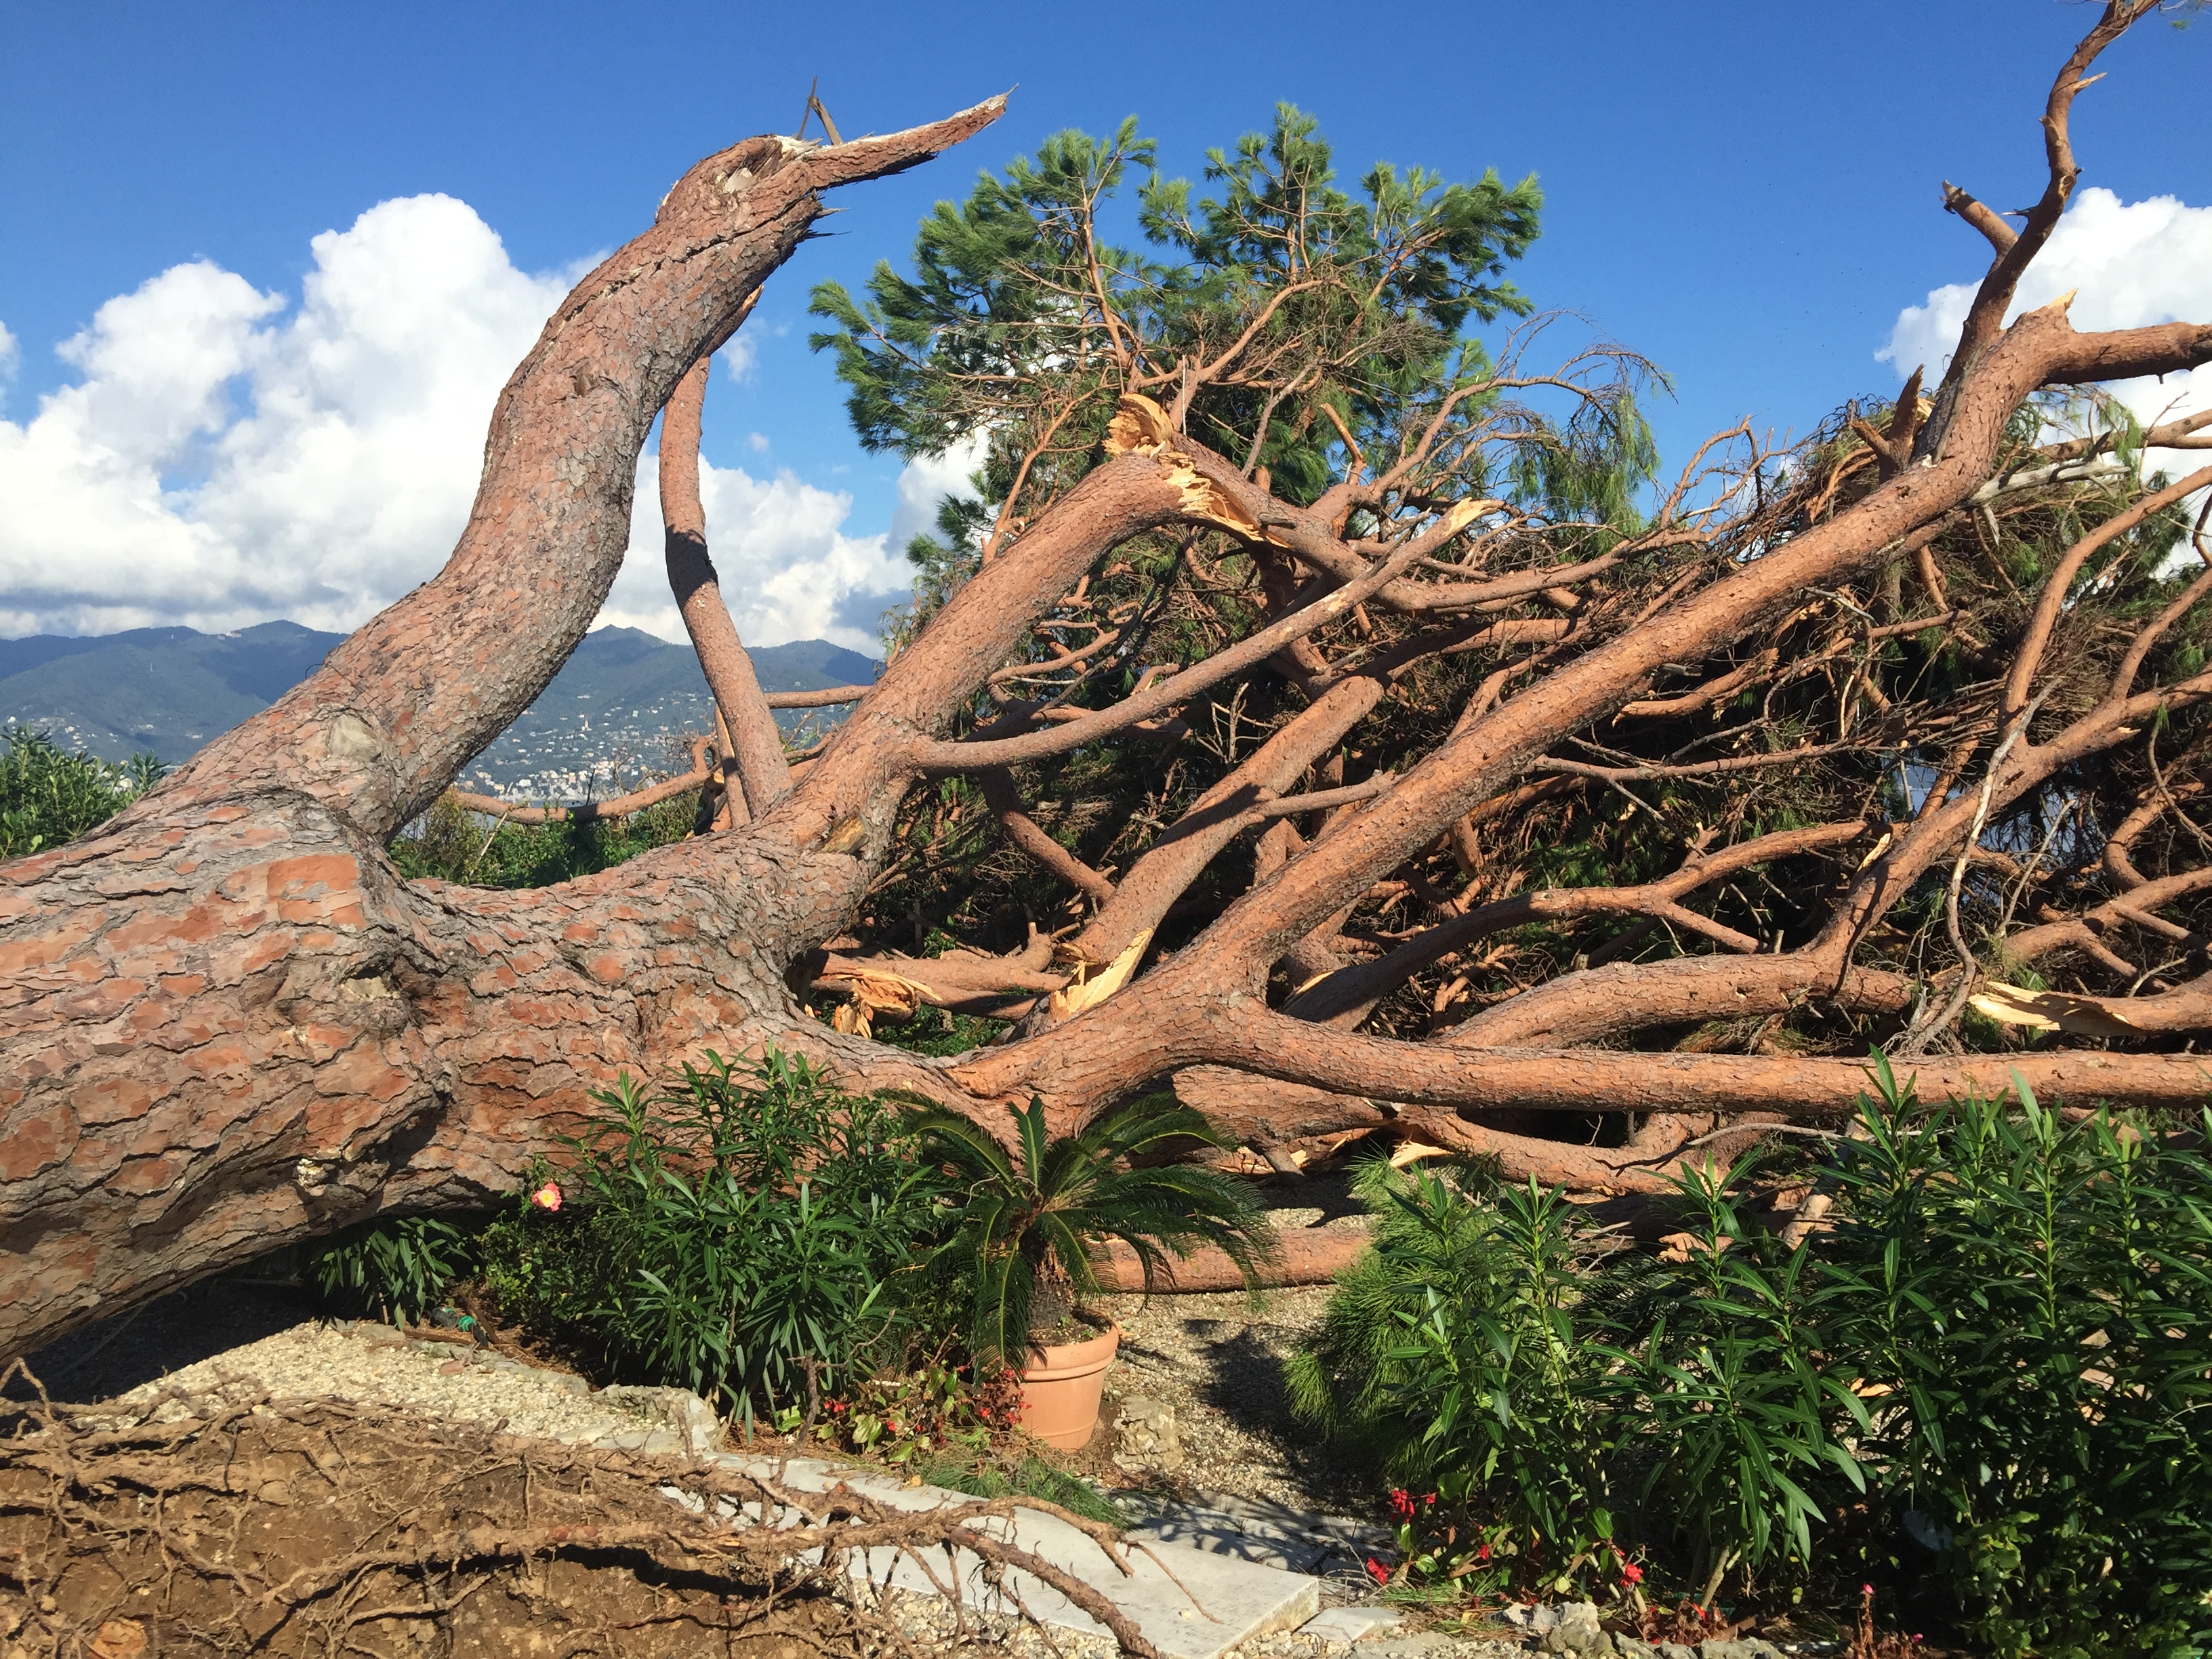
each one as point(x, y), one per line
point(1060, 1386)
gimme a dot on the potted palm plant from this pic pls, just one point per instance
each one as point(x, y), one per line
point(1034, 1220)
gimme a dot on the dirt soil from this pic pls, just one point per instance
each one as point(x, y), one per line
point(298, 1527)
point(309, 1530)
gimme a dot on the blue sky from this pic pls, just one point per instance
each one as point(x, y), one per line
point(1747, 194)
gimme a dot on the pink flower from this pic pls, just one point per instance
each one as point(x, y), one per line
point(1380, 1573)
point(547, 1197)
point(1631, 1573)
point(1867, 1590)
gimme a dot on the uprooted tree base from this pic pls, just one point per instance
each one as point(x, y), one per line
point(309, 1527)
point(232, 1025)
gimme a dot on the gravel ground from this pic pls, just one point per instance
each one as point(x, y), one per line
point(372, 1365)
point(926, 1619)
point(240, 1336)
point(1220, 1362)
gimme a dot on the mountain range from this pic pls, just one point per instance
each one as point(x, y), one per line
point(622, 703)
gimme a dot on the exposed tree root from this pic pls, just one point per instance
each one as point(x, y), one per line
point(189, 1528)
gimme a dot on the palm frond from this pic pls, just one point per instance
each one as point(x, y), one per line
point(1052, 1202)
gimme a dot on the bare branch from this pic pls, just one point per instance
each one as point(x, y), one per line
point(756, 744)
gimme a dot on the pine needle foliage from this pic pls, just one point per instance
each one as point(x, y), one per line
point(1021, 313)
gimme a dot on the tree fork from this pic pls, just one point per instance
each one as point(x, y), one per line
point(229, 1025)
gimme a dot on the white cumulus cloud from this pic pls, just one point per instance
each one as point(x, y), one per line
point(788, 569)
point(226, 456)
point(2131, 264)
point(928, 482)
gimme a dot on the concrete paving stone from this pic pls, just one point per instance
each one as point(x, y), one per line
point(1351, 1624)
point(1255, 1529)
point(1229, 1601)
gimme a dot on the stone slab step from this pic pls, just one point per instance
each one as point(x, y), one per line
point(1229, 1600)
point(1254, 1529)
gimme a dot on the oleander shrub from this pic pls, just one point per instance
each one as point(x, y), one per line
point(395, 1267)
point(1985, 1385)
point(750, 1233)
point(2025, 1300)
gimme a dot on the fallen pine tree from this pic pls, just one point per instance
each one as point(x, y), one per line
point(1415, 762)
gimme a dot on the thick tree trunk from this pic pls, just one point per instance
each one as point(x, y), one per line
point(229, 1025)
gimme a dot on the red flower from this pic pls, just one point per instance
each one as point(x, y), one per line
point(1483, 1554)
point(547, 1197)
point(1401, 1504)
point(1631, 1573)
point(1380, 1573)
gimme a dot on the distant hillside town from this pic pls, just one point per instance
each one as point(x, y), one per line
point(622, 705)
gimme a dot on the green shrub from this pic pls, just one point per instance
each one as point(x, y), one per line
point(1459, 1353)
point(729, 1235)
point(1719, 1380)
point(451, 843)
point(1989, 1385)
point(48, 795)
point(395, 1267)
point(2032, 1298)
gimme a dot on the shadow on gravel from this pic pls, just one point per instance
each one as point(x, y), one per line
point(1249, 1384)
point(180, 1329)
